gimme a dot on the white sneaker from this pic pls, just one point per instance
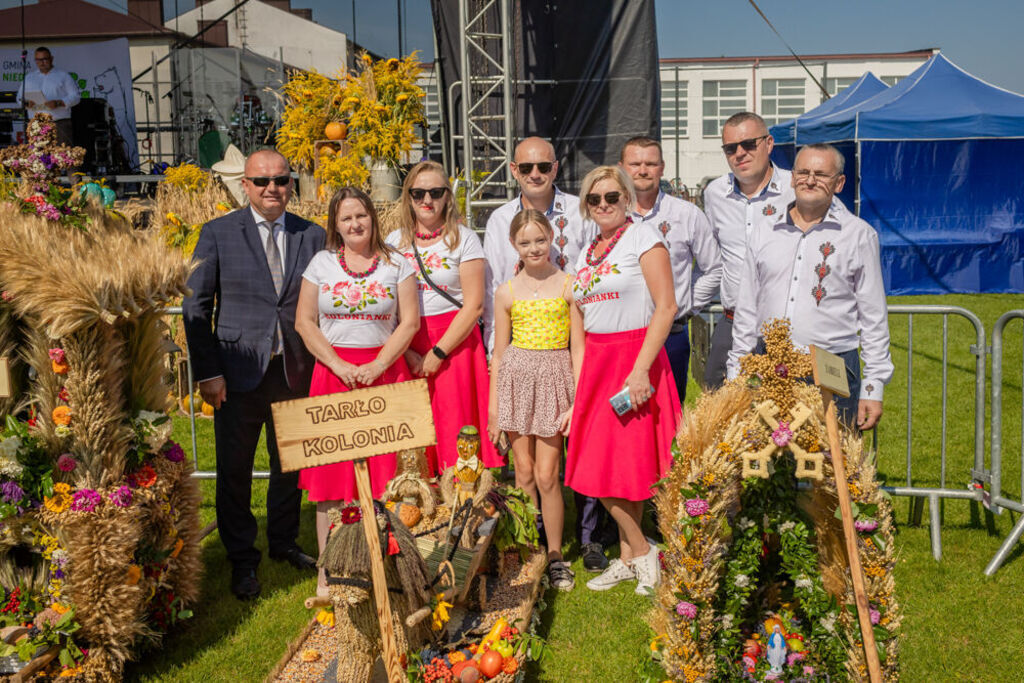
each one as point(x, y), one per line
point(617, 572)
point(648, 570)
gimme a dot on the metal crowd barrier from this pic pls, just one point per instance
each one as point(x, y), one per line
point(1000, 501)
point(978, 474)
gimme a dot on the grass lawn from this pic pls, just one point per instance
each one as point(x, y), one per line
point(958, 625)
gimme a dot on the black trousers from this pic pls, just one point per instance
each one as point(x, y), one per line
point(237, 427)
point(718, 355)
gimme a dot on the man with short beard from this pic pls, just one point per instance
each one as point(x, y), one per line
point(736, 204)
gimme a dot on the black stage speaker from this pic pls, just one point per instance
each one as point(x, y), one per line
point(91, 130)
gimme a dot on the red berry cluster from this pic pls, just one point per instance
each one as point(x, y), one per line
point(13, 605)
point(509, 633)
point(437, 670)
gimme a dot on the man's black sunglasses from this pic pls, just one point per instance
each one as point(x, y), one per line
point(263, 181)
point(418, 193)
point(750, 144)
point(611, 198)
point(526, 168)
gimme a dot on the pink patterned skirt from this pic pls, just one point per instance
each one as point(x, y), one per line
point(337, 481)
point(612, 456)
point(459, 392)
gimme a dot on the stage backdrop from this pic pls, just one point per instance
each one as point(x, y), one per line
point(102, 70)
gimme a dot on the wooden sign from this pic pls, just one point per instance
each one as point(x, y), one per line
point(5, 378)
point(829, 371)
point(321, 430)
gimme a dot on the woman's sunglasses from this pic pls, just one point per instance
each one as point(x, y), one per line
point(610, 198)
point(419, 193)
point(263, 181)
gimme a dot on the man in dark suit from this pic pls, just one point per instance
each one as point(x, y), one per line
point(240, 324)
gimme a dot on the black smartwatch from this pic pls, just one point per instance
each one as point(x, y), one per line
point(439, 353)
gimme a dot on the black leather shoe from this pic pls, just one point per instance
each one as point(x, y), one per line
point(244, 584)
point(295, 557)
point(594, 560)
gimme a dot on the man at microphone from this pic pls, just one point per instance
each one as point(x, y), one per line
point(55, 91)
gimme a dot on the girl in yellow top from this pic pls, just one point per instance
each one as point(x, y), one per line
point(538, 348)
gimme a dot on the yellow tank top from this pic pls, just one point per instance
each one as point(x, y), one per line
point(540, 324)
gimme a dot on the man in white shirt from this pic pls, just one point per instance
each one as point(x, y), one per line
point(535, 169)
point(818, 265)
point(736, 203)
point(59, 91)
point(688, 233)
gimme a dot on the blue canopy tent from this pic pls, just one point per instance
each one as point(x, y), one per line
point(940, 160)
point(786, 134)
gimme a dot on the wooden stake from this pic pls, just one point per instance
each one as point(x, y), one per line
point(856, 573)
point(389, 647)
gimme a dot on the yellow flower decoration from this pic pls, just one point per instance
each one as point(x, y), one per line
point(440, 615)
point(60, 500)
point(61, 416)
point(326, 617)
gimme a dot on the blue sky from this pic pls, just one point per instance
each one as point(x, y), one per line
point(978, 35)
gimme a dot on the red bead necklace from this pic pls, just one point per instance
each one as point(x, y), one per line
point(611, 245)
point(366, 273)
point(430, 235)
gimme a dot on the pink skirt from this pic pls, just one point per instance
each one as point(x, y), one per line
point(459, 392)
point(337, 481)
point(612, 456)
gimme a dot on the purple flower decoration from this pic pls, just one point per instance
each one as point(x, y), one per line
point(173, 451)
point(875, 615)
point(695, 507)
point(11, 492)
point(865, 526)
point(85, 500)
point(122, 497)
point(687, 610)
point(66, 462)
point(782, 435)
point(782, 371)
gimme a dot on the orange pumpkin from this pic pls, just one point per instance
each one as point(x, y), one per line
point(335, 130)
point(207, 409)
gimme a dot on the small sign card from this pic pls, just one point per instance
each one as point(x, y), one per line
point(5, 378)
point(321, 430)
point(829, 371)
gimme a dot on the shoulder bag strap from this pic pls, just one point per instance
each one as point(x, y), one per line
point(430, 283)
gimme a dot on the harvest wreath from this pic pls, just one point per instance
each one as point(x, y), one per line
point(749, 558)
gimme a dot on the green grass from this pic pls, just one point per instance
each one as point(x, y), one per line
point(958, 624)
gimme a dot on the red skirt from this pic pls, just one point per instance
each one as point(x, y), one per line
point(620, 456)
point(459, 392)
point(337, 481)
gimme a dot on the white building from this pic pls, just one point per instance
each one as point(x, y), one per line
point(272, 29)
point(699, 94)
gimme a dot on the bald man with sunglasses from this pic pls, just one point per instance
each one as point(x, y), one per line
point(534, 168)
point(246, 354)
point(736, 204)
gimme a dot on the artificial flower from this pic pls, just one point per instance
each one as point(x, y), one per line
point(687, 610)
point(133, 575)
point(173, 451)
point(695, 507)
point(144, 477)
point(122, 497)
point(351, 515)
point(61, 416)
point(865, 526)
point(85, 500)
point(66, 462)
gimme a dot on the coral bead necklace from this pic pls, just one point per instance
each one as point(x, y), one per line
point(366, 273)
point(591, 261)
point(430, 235)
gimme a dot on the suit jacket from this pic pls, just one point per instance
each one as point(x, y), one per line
point(232, 311)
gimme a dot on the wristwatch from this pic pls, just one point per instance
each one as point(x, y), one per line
point(439, 353)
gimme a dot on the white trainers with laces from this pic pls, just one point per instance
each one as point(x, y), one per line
point(648, 571)
point(617, 572)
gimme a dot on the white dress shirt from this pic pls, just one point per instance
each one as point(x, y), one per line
point(827, 282)
point(689, 237)
point(55, 85)
point(278, 224)
point(572, 237)
point(733, 216)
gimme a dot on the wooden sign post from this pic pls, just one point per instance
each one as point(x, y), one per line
point(353, 426)
point(830, 376)
point(5, 378)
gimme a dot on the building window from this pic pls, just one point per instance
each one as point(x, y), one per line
point(891, 80)
point(834, 86)
point(722, 99)
point(674, 109)
point(782, 99)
